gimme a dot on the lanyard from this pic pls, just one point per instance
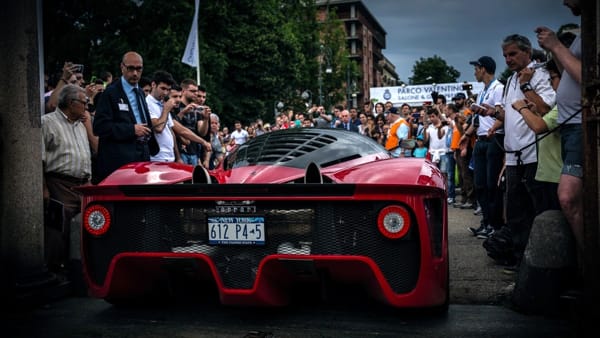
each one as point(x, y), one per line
point(485, 90)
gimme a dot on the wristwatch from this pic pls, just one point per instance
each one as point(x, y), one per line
point(525, 87)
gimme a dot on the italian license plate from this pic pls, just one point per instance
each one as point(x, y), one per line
point(236, 230)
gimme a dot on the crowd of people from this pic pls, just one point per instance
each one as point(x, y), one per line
point(487, 144)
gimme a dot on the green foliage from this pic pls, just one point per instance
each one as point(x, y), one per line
point(252, 53)
point(334, 53)
point(433, 70)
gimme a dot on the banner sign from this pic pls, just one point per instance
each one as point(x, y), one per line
point(416, 95)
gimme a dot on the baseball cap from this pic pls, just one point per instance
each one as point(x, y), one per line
point(486, 62)
point(393, 110)
point(459, 96)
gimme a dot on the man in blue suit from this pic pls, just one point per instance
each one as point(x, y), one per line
point(122, 121)
point(345, 122)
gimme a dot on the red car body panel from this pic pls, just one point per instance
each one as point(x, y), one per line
point(372, 178)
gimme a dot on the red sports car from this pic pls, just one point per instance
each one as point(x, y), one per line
point(303, 207)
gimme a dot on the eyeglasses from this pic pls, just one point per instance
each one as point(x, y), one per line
point(86, 101)
point(133, 68)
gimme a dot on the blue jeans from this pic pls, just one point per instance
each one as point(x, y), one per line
point(488, 159)
point(451, 163)
point(189, 159)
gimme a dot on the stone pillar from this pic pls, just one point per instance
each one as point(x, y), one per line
point(21, 217)
point(549, 265)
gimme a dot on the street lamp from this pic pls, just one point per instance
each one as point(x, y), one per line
point(277, 106)
point(325, 54)
point(307, 96)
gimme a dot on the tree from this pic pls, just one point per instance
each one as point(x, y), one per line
point(252, 53)
point(433, 70)
point(267, 53)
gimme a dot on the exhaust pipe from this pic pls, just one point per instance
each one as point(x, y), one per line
point(313, 174)
point(200, 175)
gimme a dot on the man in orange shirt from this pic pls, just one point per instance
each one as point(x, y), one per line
point(398, 132)
point(453, 147)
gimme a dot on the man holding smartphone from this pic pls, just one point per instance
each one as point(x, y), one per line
point(488, 155)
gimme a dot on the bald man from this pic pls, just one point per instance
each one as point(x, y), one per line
point(122, 121)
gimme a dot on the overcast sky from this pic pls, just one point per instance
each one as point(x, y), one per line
point(460, 30)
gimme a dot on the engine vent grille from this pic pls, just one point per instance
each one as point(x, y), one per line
point(292, 227)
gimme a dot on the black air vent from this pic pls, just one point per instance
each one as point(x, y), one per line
point(282, 147)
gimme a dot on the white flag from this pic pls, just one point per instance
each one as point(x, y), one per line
point(190, 56)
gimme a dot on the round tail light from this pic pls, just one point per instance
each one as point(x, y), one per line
point(393, 222)
point(96, 220)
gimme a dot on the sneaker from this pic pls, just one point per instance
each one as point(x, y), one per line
point(475, 231)
point(467, 205)
point(458, 204)
point(478, 211)
point(450, 200)
point(572, 294)
point(486, 233)
point(510, 269)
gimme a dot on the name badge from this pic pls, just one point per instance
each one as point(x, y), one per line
point(123, 106)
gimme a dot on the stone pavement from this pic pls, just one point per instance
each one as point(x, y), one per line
point(474, 277)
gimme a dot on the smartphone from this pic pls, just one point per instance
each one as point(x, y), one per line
point(467, 86)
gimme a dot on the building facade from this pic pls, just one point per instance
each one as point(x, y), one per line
point(365, 42)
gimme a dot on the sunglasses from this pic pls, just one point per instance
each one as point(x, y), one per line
point(133, 68)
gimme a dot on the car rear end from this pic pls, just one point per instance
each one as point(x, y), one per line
point(256, 242)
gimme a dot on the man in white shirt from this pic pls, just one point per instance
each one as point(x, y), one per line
point(161, 117)
point(520, 144)
point(239, 136)
point(163, 125)
point(436, 135)
point(488, 155)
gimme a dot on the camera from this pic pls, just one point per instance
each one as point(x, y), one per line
point(434, 96)
point(538, 65)
point(467, 86)
point(475, 107)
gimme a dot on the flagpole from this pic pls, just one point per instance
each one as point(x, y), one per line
point(191, 55)
point(198, 56)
